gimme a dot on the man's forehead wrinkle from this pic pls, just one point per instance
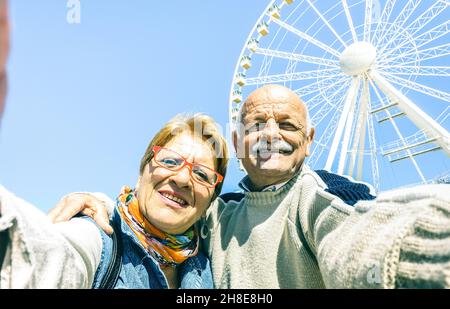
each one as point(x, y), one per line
point(270, 100)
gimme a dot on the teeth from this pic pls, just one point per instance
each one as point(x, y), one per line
point(174, 198)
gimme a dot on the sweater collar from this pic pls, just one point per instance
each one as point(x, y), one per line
point(264, 198)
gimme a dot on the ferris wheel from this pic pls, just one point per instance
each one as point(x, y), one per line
point(375, 77)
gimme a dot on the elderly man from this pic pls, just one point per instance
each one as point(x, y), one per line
point(297, 228)
point(264, 238)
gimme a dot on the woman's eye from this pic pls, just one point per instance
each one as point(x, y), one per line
point(169, 161)
point(202, 175)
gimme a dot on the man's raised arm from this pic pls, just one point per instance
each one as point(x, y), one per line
point(399, 240)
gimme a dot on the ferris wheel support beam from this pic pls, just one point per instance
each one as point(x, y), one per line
point(349, 102)
point(347, 132)
point(357, 150)
point(424, 122)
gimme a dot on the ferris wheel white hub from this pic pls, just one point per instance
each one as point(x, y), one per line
point(358, 58)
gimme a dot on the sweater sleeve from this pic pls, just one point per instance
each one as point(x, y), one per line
point(45, 255)
point(85, 238)
point(399, 240)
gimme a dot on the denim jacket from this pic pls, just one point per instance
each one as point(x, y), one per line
point(141, 271)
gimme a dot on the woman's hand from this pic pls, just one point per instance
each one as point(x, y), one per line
point(84, 203)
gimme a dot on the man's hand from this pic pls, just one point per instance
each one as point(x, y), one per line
point(83, 203)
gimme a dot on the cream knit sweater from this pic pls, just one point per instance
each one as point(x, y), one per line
point(401, 239)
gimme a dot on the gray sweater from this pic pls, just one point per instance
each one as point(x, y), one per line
point(304, 237)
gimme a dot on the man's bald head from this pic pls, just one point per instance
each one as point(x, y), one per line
point(4, 48)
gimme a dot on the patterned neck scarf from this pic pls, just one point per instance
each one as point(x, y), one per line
point(167, 249)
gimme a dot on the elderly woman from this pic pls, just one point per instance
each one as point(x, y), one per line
point(155, 243)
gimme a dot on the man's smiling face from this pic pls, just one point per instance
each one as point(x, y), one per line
point(275, 135)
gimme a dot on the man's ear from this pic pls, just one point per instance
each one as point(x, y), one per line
point(238, 145)
point(234, 138)
point(309, 140)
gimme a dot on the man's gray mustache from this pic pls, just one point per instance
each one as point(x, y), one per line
point(263, 148)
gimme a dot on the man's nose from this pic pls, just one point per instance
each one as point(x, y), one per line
point(271, 130)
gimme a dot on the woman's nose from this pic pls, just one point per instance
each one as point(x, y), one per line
point(182, 177)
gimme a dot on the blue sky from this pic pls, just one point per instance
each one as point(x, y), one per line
point(85, 99)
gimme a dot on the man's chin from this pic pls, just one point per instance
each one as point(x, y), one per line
point(273, 163)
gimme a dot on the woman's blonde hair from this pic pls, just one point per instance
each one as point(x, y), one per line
point(200, 126)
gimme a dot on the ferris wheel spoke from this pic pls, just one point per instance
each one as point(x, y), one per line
point(416, 70)
point(421, 55)
point(385, 16)
point(418, 24)
point(324, 139)
point(401, 19)
point(291, 76)
point(349, 20)
point(418, 87)
point(328, 105)
point(368, 20)
point(317, 85)
point(297, 57)
point(307, 37)
point(333, 87)
point(421, 40)
point(318, 99)
point(325, 21)
point(432, 34)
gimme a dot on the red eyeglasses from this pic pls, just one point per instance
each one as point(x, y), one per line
point(173, 161)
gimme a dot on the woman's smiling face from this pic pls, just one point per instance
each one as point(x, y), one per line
point(171, 200)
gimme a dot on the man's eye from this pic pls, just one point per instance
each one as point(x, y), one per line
point(287, 126)
point(255, 127)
